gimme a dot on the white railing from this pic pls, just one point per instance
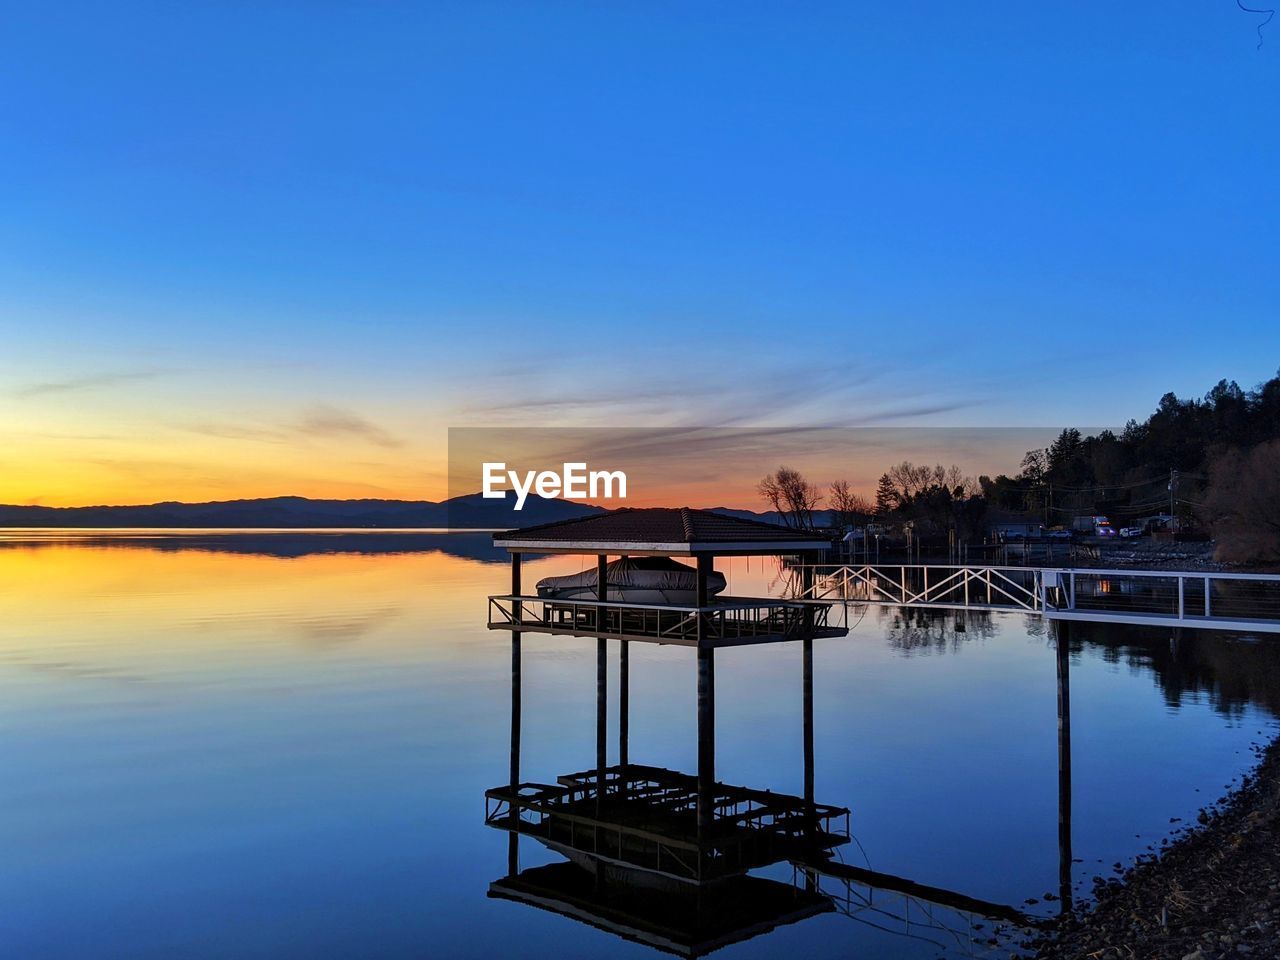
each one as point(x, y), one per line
point(1226, 601)
point(1003, 588)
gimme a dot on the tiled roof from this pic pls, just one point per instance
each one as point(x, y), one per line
point(658, 525)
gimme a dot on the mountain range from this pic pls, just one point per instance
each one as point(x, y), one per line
point(470, 512)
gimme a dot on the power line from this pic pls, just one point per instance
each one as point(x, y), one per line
point(1269, 12)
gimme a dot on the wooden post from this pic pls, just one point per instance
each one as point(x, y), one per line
point(1063, 643)
point(515, 674)
point(624, 701)
point(706, 710)
point(806, 588)
point(513, 838)
point(602, 674)
point(706, 742)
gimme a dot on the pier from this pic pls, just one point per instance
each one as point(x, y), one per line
point(1245, 602)
point(669, 858)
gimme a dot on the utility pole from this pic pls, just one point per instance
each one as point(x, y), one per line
point(1173, 490)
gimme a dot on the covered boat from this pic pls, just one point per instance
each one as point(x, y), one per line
point(634, 580)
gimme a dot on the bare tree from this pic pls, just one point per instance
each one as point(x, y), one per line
point(850, 508)
point(909, 480)
point(792, 496)
point(1242, 504)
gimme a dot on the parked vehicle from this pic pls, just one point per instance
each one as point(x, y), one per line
point(1097, 525)
point(1060, 534)
point(1130, 532)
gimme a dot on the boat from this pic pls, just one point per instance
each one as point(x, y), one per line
point(634, 580)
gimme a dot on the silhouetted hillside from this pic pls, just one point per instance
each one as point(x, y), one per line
point(468, 512)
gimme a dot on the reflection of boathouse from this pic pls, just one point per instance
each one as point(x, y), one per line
point(642, 863)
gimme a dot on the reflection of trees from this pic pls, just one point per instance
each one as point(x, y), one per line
point(919, 630)
point(1230, 671)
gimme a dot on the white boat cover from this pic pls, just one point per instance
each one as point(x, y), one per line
point(635, 579)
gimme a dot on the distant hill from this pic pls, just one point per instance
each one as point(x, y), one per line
point(467, 512)
point(470, 512)
point(822, 518)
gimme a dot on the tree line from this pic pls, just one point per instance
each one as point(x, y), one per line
point(1215, 461)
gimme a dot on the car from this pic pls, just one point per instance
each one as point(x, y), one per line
point(1059, 534)
point(1130, 532)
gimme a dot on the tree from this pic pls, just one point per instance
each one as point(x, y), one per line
point(850, 508)
point(886, 496)
point(1242, 504)
point(792, 496)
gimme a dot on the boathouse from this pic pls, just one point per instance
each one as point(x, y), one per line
point(662, 532)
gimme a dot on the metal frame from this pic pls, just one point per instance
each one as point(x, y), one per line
point(728, 622)
point(1248, 602)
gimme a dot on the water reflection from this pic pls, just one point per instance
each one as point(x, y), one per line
point(678, 861)
point(284, 544)
point(193, 762)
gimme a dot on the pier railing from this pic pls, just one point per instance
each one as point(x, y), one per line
point(727, 621)
point(1206, 599)
point(925, 585)
point(1203, 599)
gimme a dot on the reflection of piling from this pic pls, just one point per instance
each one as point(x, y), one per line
point(807, 654)
point(810, 880)
point(1062, 637)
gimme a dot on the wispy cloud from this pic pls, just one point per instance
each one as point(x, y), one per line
point(324, 421)
point(320, 422)
point(234, 431)
point(91, 381)
point(800, 392)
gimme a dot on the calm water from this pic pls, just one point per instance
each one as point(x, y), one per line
point(252, 747)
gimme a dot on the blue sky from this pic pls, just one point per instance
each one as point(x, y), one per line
point(220, 218)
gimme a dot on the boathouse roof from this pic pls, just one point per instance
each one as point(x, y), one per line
point(659, 530)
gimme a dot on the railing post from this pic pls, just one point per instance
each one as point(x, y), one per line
point(1182, 599)
point(1208, 589)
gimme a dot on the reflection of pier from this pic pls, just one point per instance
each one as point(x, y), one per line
point(645, 819)
point(671, 859)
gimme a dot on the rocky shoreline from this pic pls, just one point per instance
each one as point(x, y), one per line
point(1212, 893)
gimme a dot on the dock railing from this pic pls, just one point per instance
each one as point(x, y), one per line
point(732, 619)
point(1204, 599)
point(926, 585)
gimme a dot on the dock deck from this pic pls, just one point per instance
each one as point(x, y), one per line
point(729, 621)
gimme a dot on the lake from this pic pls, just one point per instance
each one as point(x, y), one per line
point(279, 746)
